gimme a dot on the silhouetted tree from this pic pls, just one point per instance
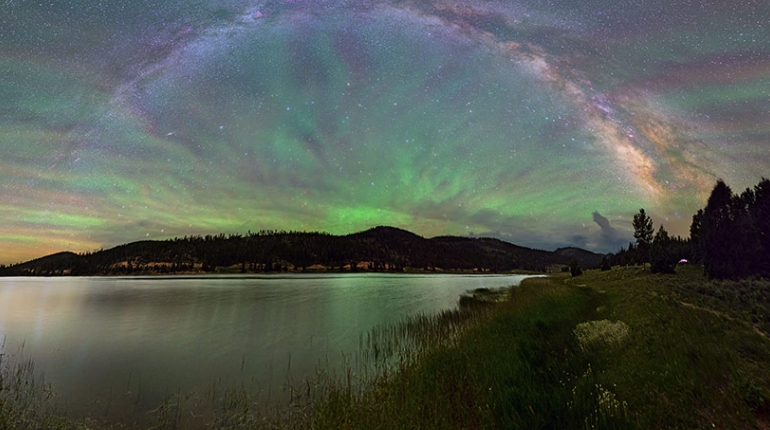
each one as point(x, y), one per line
point(574, 268)
point(732, 233)
point(746, 245)
point(662, 256)
point(606, 263)
point(761, 216)
point(717, 238)
point(625, 257)
point(696, 237)
point(643, 231)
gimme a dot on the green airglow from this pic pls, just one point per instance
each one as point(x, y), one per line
point(510, 119)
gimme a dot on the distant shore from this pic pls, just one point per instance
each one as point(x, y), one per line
point(380, 249)
point(316, 269)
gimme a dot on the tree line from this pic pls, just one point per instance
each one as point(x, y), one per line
point(730, 237)
point(381, 249)
point(732, 233)
point(658, 249)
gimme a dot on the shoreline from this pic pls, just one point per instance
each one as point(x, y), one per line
point(617, 349)
point(237, 272)
point(382, 349)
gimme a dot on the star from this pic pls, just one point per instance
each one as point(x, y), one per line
point(513, 119)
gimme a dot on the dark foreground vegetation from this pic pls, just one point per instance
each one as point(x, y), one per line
point(616, 349)
point(381, 249)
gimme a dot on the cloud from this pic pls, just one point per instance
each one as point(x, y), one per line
point(609, 238)
point(604, 223)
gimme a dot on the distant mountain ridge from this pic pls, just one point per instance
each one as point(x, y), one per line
point(585, 257)
point(377, 249)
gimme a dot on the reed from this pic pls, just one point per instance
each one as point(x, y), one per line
point(609, 350)
point(25, 399)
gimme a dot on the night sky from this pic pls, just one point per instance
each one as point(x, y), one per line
point(544, 123)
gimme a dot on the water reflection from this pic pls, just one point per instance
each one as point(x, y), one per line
point(144, 338)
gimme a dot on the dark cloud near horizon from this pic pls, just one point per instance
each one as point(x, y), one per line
point(610, 239)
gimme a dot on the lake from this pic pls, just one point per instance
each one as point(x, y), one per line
point(100, 342)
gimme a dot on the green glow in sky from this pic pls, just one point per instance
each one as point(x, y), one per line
point(514, 119)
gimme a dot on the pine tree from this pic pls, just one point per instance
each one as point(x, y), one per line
point(696, 237)
point(761, 215)
point(718, 238)
point(662, 257)
point(643, 232)
point(606, 264)
point(574, 268)
point(745, 244)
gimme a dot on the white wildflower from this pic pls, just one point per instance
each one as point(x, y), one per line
point(602, 332)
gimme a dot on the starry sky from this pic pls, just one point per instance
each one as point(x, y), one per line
point(546, 123)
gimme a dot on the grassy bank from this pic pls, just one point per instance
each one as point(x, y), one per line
point(619, 349)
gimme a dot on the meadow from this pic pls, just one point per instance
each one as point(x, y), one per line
point(616, 349)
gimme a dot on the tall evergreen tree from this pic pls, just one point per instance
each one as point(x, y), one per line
point(574, 268)
point(662, 256)
point(643, 231)
point(745, 244)
point(696, 237)
point(718, 236)
point(731, 234)
point(606, 265)
point(761, 215)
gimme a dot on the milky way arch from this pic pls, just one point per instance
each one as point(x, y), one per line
point(516, 119)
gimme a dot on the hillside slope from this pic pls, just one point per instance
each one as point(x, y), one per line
point(377, 249)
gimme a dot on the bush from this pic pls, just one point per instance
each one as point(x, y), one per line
point(606, 264)
point(662, 259)
point(574, 268)
point(600, 333)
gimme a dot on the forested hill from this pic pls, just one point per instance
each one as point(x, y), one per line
point(377, 249)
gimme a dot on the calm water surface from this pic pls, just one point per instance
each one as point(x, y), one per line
point(145, 338)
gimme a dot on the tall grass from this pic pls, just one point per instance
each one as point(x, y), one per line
point(682, 366)
point(607, 350)
point(25, 400)
point(747, 300)
point(514, 365)
point(400, 344)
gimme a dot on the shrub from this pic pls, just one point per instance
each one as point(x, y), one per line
point(600, 333)
point(574, 268)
